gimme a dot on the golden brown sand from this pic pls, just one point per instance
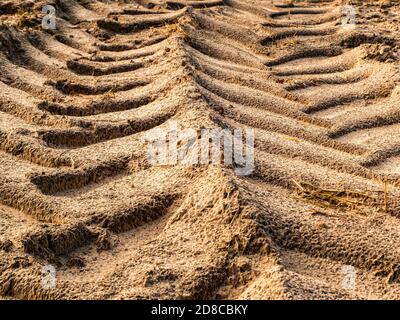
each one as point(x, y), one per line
point(77, 192)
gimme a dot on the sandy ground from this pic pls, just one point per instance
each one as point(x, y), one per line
point(317, 219)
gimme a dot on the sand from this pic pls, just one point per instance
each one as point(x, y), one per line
point(317, 219)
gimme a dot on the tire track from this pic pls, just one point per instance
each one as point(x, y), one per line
point(76, 104)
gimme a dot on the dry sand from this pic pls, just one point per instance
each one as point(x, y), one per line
point(77, 192)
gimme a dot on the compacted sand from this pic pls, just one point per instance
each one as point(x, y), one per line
point(78, 193)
